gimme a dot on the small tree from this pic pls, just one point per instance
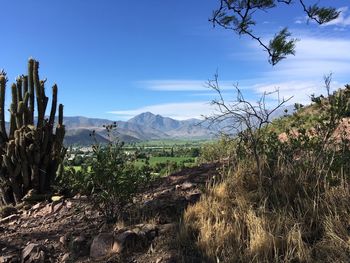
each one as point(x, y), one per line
point(245, 119)
point(114, 177)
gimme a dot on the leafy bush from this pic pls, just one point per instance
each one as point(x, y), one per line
point(112, 178)
point(217, 151)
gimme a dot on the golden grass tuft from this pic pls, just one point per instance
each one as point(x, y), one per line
point(237, 222)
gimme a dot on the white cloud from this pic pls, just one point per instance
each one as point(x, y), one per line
point(302, 75)
point(300, 20)
point(342, 20)
point(314, 58)
point(182, 85)
point(179, 111)
point(299, 90)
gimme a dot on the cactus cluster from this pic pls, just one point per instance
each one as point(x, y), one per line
point(30, 149)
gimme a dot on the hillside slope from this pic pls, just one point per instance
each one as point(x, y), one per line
point(71, 230)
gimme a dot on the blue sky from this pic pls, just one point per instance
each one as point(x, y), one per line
point(117, 58)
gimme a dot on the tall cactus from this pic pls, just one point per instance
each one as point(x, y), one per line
point(30, 149)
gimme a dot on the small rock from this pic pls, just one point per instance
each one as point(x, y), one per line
point(187, 186)
point(129, 240)
point(69, 204)
point(101, 245)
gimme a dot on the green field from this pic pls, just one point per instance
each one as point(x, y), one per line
point(171, 143)
point(155, 160)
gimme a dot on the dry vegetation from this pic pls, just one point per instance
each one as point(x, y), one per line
point(298, 211)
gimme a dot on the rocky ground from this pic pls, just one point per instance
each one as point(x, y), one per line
point(71, 230)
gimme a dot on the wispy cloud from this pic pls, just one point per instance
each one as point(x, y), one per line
point(179, 111)
point(302, 75)
point(182, 85)
point(299, 90)
point(314, 58)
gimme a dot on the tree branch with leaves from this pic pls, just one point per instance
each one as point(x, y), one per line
point(237, 15)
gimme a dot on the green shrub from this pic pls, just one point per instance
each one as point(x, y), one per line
point(112, 178)
point(216, 151)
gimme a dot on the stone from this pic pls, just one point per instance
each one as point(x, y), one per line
point(33, 253)
point(187, 186)
point(130, 240)
point(79, 246)
point(101, 245)
point(69, 204)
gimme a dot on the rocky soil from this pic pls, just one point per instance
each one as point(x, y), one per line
point(71, 230)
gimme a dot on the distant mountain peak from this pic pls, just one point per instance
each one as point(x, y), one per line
point(144, 126)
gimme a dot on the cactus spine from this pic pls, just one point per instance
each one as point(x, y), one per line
point(31, 151)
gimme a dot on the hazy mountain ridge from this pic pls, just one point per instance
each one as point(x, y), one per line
point(145, 126)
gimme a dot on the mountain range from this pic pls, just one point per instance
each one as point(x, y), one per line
point(145, 126)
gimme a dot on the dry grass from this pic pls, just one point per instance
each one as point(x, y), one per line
point(235, 221)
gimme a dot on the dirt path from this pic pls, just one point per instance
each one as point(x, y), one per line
point(71, 230)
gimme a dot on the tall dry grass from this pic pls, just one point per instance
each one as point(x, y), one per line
point(300, 212)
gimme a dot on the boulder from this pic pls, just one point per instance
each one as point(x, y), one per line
point(101, 245)
point(126, 241)
point(79, 247)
